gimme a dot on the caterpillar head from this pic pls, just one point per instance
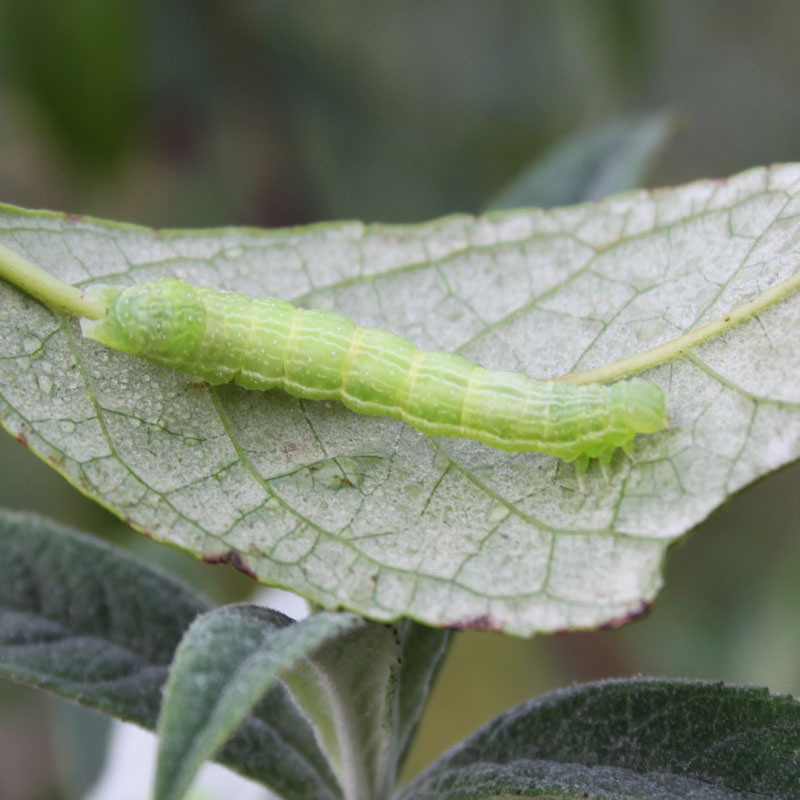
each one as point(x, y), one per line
point(161, 321)
point(638, 406)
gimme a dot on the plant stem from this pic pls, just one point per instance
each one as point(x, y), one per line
point(54, 293)
point(675, 348)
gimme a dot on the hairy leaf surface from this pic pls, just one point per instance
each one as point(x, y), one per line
point(94, 625)
point(629, 740)
point(226, 663)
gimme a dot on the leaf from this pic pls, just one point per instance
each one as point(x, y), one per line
point(366, 690)
point(224, 666)
point(629, 740)
point(609, 158)
point(362, 685)
point(421, 655)
point(86, 621)
point(364, 512)
point(94, 625)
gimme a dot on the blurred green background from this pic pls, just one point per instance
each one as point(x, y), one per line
point(178, 113)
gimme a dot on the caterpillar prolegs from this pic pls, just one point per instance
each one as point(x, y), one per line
point(265, 343)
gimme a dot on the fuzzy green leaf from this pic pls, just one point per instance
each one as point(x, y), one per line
point(361, 685)
point(87, 621)
point(225, 665)
point(366, 513)
point(94, 625)
point(629, 740)
point(365, 690)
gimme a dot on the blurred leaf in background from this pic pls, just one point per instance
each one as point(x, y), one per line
point(608, 159)
point(265, 113)
point(78, 67)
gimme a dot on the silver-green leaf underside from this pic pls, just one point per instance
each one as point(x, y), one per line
point(367, 513)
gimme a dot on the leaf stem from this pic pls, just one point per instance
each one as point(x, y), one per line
point(675, 348)
point(46, 288)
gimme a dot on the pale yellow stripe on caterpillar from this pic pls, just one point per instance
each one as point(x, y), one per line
point(347, 364)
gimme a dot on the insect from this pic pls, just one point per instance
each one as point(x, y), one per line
point(265, 343)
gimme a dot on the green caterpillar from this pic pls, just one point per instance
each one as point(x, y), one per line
point(264, 343)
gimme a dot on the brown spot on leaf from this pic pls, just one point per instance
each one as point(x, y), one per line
point(483, 622)
point(642, 611)
point(147, 533)
point(22, 439)
point(233, 558)
point(74, 217)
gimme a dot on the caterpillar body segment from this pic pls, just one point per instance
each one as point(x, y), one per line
point(265, 343)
